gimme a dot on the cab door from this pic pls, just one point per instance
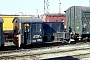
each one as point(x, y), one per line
point(27, 34)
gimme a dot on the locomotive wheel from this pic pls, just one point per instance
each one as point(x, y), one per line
point(52, 38)
point(15, 41)
point(44, 38)
point(2, 47)
point(22, 46)
point(67, 41)
point(76, 40)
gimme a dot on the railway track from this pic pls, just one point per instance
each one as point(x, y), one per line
point(80, 53)
point(47, 52)
point(50, 48)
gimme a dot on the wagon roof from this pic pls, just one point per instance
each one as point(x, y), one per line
point(83, 8)
point(1, 20)
point(27, 20)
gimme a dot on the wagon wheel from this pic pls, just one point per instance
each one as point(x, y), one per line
point(86, 39)
point(55, 38)
point(69, 41)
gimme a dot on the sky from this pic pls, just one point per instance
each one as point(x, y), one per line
point(29, 6)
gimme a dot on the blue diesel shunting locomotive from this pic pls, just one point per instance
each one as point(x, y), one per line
point(34, 30)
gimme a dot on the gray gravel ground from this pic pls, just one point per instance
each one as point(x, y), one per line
point(55, 56)
point(88, 58)
point(49, 49)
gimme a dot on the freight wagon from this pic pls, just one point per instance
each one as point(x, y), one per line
point(78, 20)
point(8, 26)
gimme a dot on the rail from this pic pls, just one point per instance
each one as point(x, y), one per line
point(48, 52)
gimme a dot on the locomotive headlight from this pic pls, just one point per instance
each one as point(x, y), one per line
point(37, 36)
point(39, 40)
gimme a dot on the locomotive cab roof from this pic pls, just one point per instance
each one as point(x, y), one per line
point(1, 20)
point(27, 20)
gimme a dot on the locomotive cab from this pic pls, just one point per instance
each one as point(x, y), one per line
point(28, 31)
